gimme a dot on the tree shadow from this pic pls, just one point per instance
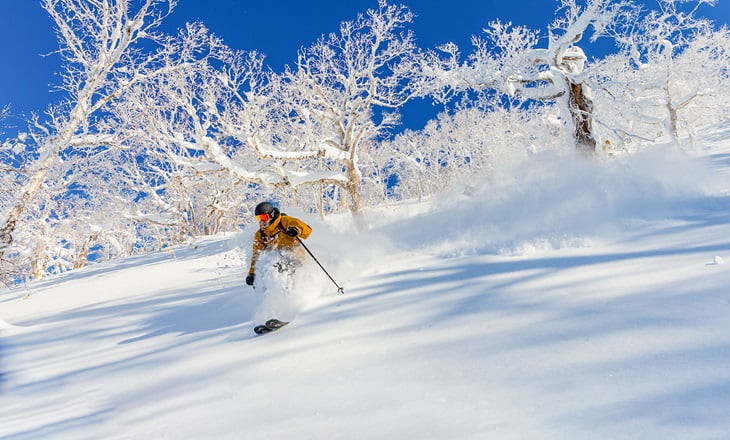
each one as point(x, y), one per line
point(133, 333)
point(555, 318)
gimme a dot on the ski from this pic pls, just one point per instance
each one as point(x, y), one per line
point(269, 326)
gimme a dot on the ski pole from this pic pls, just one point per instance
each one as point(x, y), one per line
point(339, 289)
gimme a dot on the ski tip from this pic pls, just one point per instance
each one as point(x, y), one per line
point(269, 326)
point(275, 323)
point(261, 329)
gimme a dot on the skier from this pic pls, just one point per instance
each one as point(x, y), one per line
point(277, 231)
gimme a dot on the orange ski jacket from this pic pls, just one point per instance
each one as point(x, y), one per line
point(273, 237)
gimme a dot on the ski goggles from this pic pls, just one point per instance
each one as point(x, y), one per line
point(263, 218)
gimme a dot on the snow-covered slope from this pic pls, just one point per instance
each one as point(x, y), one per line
point(565, 300)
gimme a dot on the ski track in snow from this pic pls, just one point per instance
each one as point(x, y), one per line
point(507, 319)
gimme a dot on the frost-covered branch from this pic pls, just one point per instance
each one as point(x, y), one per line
point(669, 61)
point(347, 89)
point(510, 60)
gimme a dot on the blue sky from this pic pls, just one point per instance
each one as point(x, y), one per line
point(276, 29)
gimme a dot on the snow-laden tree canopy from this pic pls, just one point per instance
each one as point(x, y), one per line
point(166, 137)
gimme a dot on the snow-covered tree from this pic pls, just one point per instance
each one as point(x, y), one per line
point(671, 69)
point(510, 60)
point(109, 47)
point(102, 44)
point(347, 89)
point(472, 144)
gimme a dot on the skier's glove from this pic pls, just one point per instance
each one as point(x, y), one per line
point(292, 231)
point(249, 279)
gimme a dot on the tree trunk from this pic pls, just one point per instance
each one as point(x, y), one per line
point(83, 255)
point(38, 267)
point(581, 110)
point(353, 186)
point(32, 188)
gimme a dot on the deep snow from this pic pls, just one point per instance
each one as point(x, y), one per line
point(561, 300)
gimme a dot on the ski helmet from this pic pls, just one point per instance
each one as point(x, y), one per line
point(267, 208)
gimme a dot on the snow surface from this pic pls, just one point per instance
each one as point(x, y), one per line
point(562, 300)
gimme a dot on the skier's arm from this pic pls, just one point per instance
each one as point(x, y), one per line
point(303, 229)
point(258, 246)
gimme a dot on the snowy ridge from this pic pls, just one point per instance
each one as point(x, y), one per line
point(574, 300)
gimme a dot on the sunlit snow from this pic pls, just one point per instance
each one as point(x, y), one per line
point(574, 300)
